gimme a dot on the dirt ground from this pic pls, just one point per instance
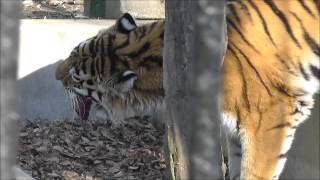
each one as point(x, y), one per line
point(90, 150)
point(52, 9)
point(78, 150)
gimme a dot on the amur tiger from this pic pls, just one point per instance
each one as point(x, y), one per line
point(271, 72)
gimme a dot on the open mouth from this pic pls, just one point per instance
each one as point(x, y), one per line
point(80, 104)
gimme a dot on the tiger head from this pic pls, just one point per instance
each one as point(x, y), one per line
point(116, 66)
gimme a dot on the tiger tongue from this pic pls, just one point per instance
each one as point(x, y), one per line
point(83, 107)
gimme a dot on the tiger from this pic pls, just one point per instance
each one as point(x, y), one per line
point(271, 72)
point(119, 69)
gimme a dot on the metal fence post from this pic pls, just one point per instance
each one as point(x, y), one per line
point(9, 54)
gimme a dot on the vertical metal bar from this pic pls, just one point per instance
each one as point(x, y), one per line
point(206, 94)
point(9, 54)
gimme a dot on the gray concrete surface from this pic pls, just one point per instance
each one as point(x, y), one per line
point(44, 42)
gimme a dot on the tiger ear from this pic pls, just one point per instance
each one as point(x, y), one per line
point(126, 23)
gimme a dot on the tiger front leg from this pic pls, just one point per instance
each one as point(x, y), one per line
point(265, 145)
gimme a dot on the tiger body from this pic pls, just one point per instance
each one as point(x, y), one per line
point(271, 72)
point(273, 63)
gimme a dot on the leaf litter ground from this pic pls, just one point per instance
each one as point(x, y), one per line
point(91, 150)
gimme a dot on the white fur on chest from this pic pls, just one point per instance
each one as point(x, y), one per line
point(229, 123)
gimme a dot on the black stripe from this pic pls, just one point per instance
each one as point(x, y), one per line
point(145, 65)
point(83, 48)
point(288, 63)
point(235, 14)
point(148, 62)
point(125, 44)
point(238, 118)
point(142, 50)
point(90, 82)
point(99, 95)
point(255, 70)
point(282, 61)
point(143, 32)
point(76, 71)
point(89, 92)
point(283, 19)
point(260, 114)
point(83, 67)
point(91, 47)
point(84, 59)
point(124, 63)
point(92, 71)
point(296, 110)
point(315, 71)
point(237, 154)
point(285, 64)
point(136, 34)
point(229, 21)
point(264, 24)
point(281, 156)
point(280, 126)
point(317, 4)
point(303, 103)
point(245, 8)
point(97, 65)
point(112, 55)
point(312, 43)
point(305, 7)
point(152, 26)
point(283, 89)
point(102, 58)
point(97, 43)
point(75, 77)
point(162, 35)
point(244, 82)
point(77, 48)
point(303, 72)
point(152, 59)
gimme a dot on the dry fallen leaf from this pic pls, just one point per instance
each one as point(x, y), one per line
point(91, 150)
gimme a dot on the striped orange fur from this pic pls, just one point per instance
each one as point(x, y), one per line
point(271, 72)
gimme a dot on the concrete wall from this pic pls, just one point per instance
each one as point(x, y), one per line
point(44, 42)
